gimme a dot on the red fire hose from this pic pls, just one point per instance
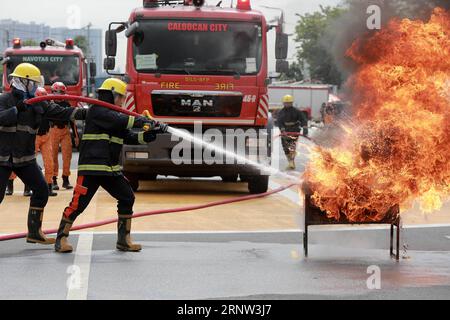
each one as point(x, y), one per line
point(82, 99)
point(157, 212)
point(117, 108)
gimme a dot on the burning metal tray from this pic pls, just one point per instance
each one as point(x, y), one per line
point(314, 216)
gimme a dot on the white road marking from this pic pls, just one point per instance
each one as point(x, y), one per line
point(78, 289)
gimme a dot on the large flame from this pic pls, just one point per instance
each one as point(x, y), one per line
point(400, 149)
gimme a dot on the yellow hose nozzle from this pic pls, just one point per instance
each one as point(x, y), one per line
point(147, 114)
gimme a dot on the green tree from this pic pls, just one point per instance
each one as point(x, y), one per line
point(310, 31)
point(30, 43)
point(82, 43)
point(294, 73)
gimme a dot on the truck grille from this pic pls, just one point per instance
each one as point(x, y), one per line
point(197, 104)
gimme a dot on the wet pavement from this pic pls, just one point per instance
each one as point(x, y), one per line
point(231, 266)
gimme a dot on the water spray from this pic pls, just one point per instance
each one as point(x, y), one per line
point(176, 132)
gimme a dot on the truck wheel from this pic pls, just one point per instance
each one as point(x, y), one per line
point(230, 179)
point(258, 184)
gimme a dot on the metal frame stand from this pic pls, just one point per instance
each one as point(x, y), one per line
point(314, 216)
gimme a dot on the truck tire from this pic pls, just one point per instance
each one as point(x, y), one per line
point(258, 184)
point(230, 179)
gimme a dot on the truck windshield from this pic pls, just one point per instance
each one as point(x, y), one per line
point(198, 47)
point(54, 68)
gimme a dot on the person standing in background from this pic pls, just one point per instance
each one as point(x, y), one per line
point(61, 136)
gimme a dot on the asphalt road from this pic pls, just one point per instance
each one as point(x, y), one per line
point(230, 266)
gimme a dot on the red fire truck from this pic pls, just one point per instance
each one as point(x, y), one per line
point(57, 61)
point(188, 63)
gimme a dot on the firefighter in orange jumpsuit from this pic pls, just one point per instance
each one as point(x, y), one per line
point(60, 135)
point(44, 145)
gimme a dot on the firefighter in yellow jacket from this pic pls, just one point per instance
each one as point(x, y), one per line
point(99, 163)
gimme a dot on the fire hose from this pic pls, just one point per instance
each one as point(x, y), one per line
point(143, 214)
point(158, 212)
point(119, 109)
point(82, 99)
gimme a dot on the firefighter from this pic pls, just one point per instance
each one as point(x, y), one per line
point(291, 120)
point(19, 123)
point(60, 136)
point(10, 187)
point(329, 114)
point(44, 145)
point(101, 144)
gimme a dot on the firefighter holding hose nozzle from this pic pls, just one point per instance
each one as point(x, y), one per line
point(19, 124)
point(291, 120)
point(105, 133)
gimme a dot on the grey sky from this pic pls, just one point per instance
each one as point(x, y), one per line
point(101, 12)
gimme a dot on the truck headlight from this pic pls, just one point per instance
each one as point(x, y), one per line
point(137, 155)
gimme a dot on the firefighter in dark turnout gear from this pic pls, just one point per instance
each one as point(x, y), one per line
point(291, 120)
point(104, 135)
point(19, 125)
point(43, 145)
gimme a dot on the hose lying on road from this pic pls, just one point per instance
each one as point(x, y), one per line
point(158, 212)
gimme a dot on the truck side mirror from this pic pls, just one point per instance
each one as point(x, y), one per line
point(281, 46)
point(93, 69)
point(111, 43)
point(109, 63)
point(131, 31)
point(282, 66)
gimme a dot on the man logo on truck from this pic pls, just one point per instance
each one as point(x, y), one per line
point(197, 104)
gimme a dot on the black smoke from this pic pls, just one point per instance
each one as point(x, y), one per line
point(352, 25)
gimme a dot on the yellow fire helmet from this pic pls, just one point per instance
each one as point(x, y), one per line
point(288, 99)
point(114, 85)
point(27, 71)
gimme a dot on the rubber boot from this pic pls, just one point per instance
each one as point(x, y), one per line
point(291, 165)
point(35, 234)
point(124, 239)
point(292, 161)
point(66, 183)
point(62, 244)
point(10, 188)
point(27, 191)
point(55, 184)
point(51, 193)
